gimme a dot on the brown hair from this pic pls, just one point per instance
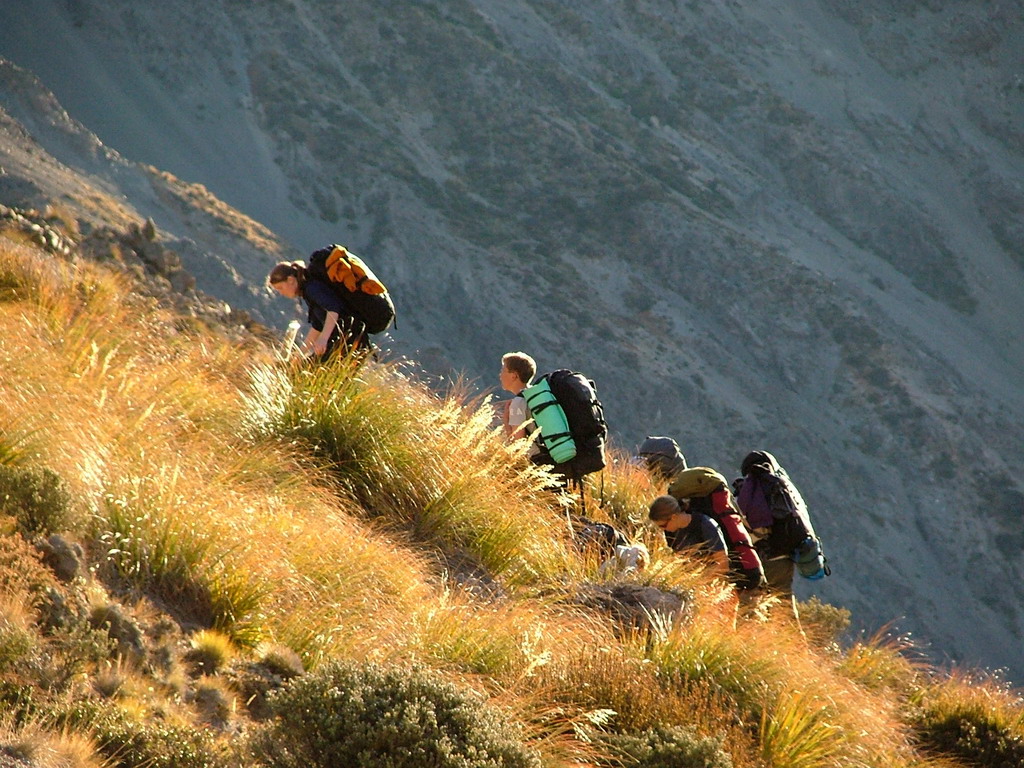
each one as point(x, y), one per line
point(521, 364)
point(663, 507)
point(285, 269)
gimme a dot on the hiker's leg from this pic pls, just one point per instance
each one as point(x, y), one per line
point(779, 574)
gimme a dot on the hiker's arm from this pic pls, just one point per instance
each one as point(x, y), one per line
point(320, 344)
point(505, 408)
point(517, 434)
point(716, 543)
point(515, 417)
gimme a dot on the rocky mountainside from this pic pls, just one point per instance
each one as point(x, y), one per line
point(796, 226)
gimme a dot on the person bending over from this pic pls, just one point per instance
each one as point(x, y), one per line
point(332, 323)
point(690, 530)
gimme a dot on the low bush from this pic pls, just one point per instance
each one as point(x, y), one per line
point(823, 622)
point(977, 741)
point(666, 747)
point(978, 721)
point(128, 743)
point(22, 573)
point(71, 650)
point(18, 702)
point(17, 643)
point(36, 497)
point(351, 714)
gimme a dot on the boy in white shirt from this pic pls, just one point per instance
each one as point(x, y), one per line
point(517, 372)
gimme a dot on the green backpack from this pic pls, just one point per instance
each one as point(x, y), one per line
point(695, 483)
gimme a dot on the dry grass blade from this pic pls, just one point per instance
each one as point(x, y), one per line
point(798, 731)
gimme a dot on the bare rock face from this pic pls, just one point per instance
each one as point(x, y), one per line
point(38, 231)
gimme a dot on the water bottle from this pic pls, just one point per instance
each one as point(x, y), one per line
point(810, 560)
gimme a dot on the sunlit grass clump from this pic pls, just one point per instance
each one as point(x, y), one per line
point(976, 718)
point(33, 744)
point(432, 465)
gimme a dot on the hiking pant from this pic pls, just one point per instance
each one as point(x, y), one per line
point(779, 574)
point(356, 340)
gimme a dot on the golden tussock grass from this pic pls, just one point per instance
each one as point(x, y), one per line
point(347, 511)
point(43, 747)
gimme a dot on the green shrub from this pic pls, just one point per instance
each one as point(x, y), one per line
point(824, 622)
point(36, 497)
point(17, 643)
point(664, 747)
point(18, 702)
point(974, 734)
point(363, 715)
point(127, 743)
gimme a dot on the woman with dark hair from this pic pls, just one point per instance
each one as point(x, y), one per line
point(330, 320)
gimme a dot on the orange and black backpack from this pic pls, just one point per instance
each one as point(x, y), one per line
point(363, 293)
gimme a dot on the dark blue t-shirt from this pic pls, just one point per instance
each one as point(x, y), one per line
point(320, 298)
point(702, 531)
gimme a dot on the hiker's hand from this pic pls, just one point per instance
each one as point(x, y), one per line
point(320, 345)
point(307, 343)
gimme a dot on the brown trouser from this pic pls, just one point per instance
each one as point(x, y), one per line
point(779, 575)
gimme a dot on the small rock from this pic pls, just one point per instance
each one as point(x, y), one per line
point(65, 557)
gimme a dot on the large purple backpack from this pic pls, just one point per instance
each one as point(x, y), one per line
point(773, 506)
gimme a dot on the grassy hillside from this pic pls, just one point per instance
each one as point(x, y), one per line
point(754, 225)
point(212, 556)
